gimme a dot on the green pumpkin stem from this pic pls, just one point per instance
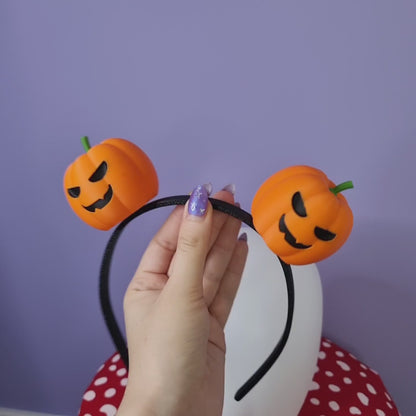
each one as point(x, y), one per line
point(342, 187)
point(85, 143)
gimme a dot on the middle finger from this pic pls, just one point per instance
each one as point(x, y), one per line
point(223, 240)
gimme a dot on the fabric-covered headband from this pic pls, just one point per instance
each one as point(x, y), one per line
point(300, 214)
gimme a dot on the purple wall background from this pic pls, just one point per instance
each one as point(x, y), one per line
point(212, 92)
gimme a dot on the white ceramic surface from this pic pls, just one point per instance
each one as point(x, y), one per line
point(257, 322)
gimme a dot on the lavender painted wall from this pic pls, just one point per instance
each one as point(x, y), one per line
point(212, 91)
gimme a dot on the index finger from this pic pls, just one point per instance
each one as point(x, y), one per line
point(158, 255)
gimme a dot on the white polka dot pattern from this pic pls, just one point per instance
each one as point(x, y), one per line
point(103, 396)
point(343, 365)
point(363, 398)
point(315, 386)
point(341, 386)
point(110, 393)
point(345, 386)
point(115, 358)
point(334, 405)
point(89, 395)
point(100, 381)
point(108, 410)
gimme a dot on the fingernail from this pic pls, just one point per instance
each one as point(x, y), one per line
point(243, 237)
point(208, 187)
point(229, 188)
point(198, 201)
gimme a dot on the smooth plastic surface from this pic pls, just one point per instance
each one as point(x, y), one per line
point(109, 182)
point(300, 216)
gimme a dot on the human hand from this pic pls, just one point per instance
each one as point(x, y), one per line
point(176, 307)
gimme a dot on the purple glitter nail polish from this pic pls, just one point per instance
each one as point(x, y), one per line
point(198, 201)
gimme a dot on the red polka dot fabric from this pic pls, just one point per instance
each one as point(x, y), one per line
point(103, 396)
point(342, 386)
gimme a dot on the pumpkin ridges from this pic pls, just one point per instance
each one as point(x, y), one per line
point(320, 251)
point(322, 216)
point(128, 183)
point(125, 200)
point(145, 166)
point(298, 171)
point(267, 211)
point(293, 258)
point(279, 180)
point(323, 209)
point(113, 169)
point(139, 170)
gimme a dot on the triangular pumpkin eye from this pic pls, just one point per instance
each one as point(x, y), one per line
point(74, 192)
point(298, 204)
point(99, 173)
point(324, 235)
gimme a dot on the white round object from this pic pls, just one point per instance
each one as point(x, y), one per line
point(255, 325)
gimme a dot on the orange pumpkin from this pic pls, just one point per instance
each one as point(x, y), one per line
point(301, 214)
point(109, 182)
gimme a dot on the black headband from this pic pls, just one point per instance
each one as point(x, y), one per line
point(226, 208)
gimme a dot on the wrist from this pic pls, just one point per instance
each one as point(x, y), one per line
point(134, 407)
point(136, 402)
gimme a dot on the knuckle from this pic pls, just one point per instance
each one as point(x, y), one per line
point(188, 242)
point(165, 244)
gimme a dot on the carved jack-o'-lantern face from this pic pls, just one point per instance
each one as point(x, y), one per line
point(109, 182)
point(301, 215)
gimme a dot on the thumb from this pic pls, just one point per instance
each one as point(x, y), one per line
point(193, 245)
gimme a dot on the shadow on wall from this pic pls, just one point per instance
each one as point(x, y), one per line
point(370, 304)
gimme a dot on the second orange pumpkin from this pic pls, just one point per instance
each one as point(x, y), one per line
point(301, 215)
